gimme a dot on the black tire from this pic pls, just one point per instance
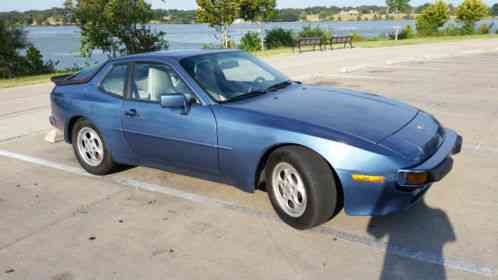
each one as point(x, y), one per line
point(107, 165)
point(319, 183)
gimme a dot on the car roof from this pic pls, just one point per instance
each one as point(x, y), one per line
point(174, 54)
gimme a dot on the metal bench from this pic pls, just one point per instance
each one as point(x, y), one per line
point(309, 41)
point(346, 40)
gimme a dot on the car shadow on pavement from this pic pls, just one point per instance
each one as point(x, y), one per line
point(421, 229)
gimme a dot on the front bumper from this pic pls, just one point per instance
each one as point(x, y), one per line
point(438, 165)
point(394, 194)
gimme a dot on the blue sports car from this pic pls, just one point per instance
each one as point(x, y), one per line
point(224, 115)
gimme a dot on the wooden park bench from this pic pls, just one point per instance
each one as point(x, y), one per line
point(346, 40)
point(309, 41)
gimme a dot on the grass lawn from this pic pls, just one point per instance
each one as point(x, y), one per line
point(38, 79)
point(426, 40)
point(28, 80)
point(388, 43)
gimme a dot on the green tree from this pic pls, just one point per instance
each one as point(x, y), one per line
point(250, 42)
point(68, 11)
point(12, 63)
point(421, 8)
point(279, 37)
point(287, 15)
point(257, 10)
point(433, 17)
point(117, 27)
point(397, 6)
point(494, 10)
point(220, 14)
point(323, 15)
point(470, 12)
point(12, 39)
point(34, 63)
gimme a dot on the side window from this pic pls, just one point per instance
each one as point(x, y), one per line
point(115, 81)
point(150, 81)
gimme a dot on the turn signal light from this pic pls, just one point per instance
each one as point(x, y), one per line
point(415, 178)
point(368, 178)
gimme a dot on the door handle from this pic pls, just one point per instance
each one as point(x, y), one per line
point(131, 113)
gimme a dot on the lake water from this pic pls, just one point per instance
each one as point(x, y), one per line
point(62, 43)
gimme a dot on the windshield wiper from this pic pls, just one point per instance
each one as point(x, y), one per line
point(247, 95)
point(280, 85)
point(258, 92)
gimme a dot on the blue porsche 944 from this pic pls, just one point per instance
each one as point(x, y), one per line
point(226, 116)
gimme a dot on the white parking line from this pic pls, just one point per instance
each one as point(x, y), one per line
point(426, 257)
point(475, 51)
point(408, 67)
point(361, 77)
point(16, 113)
point(9, 139)
point(480, 148)
point(45, 163)
point(349, 69)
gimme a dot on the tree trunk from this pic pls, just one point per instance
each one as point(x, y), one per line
point(225, 36)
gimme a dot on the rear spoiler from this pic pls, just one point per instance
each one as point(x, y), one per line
point(62, 80)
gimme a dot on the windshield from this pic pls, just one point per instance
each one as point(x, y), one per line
point(231, 76)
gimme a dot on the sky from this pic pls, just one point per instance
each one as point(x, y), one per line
point(23, 5)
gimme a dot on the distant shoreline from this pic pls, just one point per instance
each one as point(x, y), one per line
point(237, 23)
point(266, 22)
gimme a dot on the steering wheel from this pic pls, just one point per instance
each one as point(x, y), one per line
point(260, 80)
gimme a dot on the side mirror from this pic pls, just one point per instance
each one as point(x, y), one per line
point(176, 101)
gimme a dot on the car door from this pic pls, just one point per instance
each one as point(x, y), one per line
point(164, 135)
point(104, 106)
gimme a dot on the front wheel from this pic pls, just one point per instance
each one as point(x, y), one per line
point(302, 187)
point(91, 150)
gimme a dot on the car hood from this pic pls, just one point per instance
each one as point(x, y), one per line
point(417, 140)
point(366, 116)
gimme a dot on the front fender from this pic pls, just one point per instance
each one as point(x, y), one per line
point(245, 138)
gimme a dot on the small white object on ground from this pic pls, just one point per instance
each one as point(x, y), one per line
point(54, 136)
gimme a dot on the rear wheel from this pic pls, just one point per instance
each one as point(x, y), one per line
point(91, 150)
point(301, 187)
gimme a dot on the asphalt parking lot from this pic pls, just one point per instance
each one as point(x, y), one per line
point(58, 222)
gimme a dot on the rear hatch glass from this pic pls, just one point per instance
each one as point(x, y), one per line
point(83, 76)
